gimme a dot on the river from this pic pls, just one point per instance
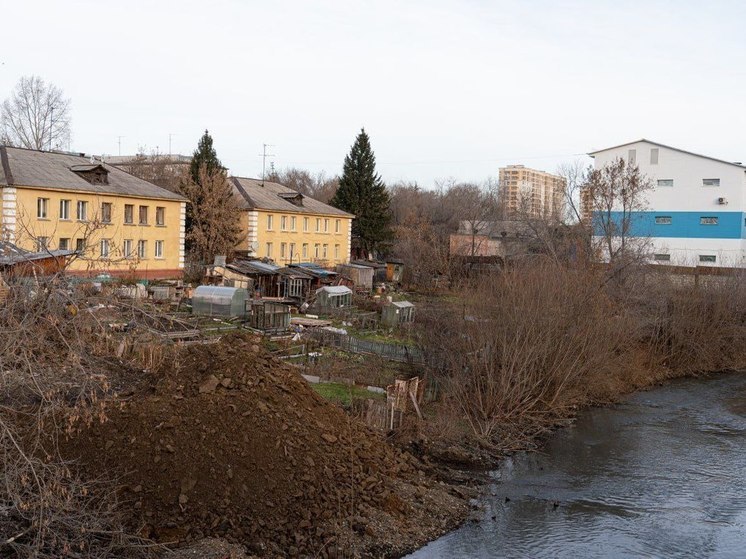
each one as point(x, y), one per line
point(662, 474)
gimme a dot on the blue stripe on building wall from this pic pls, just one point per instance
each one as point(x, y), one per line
point(687, 225)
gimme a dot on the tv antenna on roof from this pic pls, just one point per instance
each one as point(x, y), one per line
point(265, 155)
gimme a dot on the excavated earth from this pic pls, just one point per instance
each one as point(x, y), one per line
point(230, 443)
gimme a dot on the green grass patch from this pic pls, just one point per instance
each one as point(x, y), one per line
point(343, 393)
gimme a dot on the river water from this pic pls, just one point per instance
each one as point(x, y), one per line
point(661, 475)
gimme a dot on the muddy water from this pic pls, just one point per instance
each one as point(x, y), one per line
point(661, 475)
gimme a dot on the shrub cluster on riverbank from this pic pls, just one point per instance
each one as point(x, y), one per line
point(515, 352)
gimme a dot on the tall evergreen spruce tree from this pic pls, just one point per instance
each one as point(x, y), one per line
point(362, 192)
point(205, 155)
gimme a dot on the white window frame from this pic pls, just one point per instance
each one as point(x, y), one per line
point(127, 248)
point(283, 223)
point(665, 183)
point(104, 248)
point(337, 225)
point(711, 183)
point(269, 250)
point(160, 216)
point(292, 223)
point(305, 250)
point(81, 210)
point(158, 249)
point(142, 249)
point(42, 208)
point(66, 243)
point(65, 209)
point(305, 224)
point(270, 222)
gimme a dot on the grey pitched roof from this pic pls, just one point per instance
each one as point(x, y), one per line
point(56, 171)
point(12, 254)
point(272, 196)
point(735, 163)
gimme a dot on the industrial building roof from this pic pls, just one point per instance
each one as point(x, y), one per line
point(61, 171)
point(735, 163)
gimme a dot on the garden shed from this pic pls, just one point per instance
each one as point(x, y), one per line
point(269, 316)
point(333, 297)
point(216, 300)
point(394, 270)
point(361, 276)
point(396, 313)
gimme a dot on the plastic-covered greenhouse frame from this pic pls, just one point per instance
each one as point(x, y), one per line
point(217, 300)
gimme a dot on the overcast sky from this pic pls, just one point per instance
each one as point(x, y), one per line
point(444, 88)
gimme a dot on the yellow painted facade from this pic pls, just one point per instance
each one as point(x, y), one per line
point(290, 238)
point(123, 235)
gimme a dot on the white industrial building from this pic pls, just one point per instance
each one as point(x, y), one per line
point(696, 213)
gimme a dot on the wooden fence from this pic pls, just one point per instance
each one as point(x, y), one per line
point(393, 352)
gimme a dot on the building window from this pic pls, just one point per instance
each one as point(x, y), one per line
point(64, 209)
point(336, 252)
point(160, 215)
point(326, 250)
point(318, 224)
point(104, 248)
point(337, 225)
point(269, 222)
point(284, 223)
point(292, 223)
point(292, 251)
point(316, 249)
point(305, 250)
point(142, 249)
point(654, 156)
point(142, 215)
point(710, 182)
point(283, 249)
point(708, 220)
point(305, 224)
point(665, 182)
point(662, 257)
point(42, 244)
point(42, 206)
point(663, 220)
point(64, 244)
point(269, 250)
point(80, 245)
point(158, 249)
point(82, 211)
point(127, 248)
point(632, 157)
point(707, 258)
point(106, 212)
point(129, 214)
point(326, 226)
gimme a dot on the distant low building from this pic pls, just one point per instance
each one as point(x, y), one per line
point(496, 241)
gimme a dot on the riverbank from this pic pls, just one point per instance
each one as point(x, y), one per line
point(658, 475)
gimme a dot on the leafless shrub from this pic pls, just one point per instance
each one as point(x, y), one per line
point(53, 378)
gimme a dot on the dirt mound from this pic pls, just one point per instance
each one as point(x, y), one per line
point(229, 442)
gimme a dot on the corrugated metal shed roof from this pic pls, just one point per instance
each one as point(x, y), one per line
point(252, 267)
point(334, 290)
point(56, 171)
point(402, 304)
point(265, 195)
point(12, 254)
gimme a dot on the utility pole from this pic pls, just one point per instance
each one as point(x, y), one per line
point(265, 155)
point(119, 141)
point(51, 126)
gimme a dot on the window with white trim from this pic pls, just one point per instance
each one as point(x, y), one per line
point(710, 182)
point(665, 182)
point(104, 248)
point(142, 249)
point(158, 250)
point(127, 248)
point(707, 258)
point(269, 222)
point(81, 213)
point(42, 208)
point(64, 209)
point(708, 220)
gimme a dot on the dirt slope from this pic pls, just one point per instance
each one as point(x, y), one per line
point(229, 442)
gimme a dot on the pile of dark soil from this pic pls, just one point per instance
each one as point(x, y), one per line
point(229, 442)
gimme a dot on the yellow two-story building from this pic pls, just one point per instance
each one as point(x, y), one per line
point(114, 221)
point(287, 227)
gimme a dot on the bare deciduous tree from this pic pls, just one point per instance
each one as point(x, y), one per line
point(215, 227)
point(35, 116)
point(319, 186)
